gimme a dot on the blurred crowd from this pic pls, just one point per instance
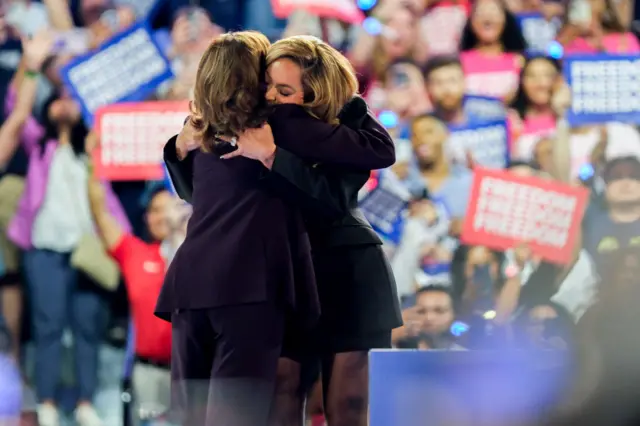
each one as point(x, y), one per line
point(76, 304)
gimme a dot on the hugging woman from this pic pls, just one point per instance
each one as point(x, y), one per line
point(273, 232)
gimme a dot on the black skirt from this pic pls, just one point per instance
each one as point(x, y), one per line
point(358, 300)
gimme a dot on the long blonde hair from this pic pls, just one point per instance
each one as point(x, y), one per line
point(229, 90)
point(328, 79)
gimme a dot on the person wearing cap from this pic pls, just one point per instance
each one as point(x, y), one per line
point(613, 222)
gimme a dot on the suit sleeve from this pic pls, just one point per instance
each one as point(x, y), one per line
point(180, 172)
point(314, 188)
point(365, 146)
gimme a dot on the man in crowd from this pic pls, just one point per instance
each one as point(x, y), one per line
point(427, 325)
point(143, 265)
point(444, 79)
point(449, 183)
point(441, 191)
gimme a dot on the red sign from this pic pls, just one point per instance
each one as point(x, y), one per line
point(132, 136)
point(342, 10)
point(506, 210)
point(442, 28)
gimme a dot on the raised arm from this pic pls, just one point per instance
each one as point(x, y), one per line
point(20, 126)
point(360, 143)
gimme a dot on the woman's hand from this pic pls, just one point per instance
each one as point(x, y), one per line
point(256, 144)
point(37, 49)
point(188, 138)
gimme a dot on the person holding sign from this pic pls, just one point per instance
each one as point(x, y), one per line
point(255, 259)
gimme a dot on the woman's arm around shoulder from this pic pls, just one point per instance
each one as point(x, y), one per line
point(359, 142)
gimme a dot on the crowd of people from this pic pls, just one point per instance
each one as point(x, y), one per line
point(464, 87)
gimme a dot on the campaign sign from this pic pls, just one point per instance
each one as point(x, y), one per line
point(126, 68)
point(603, 88)
point(132, 136)
point(488, 143)
point(342, 10)
point(483, 108)
point(385, 206)
point(537, 31)
point(506, 210)
point(433, 388)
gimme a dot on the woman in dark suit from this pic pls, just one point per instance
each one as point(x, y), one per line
point(245, 264)
point(356, 287)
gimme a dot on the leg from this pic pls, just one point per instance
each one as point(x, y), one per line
point(11, 308)
point(288, 403)
point(192, 351)
point(243, 376)
point(152, 388)
point(88, 323)
point(48, 280)
point(345, 378)
point(11, 291)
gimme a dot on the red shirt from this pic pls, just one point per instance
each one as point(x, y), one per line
point(143, 269)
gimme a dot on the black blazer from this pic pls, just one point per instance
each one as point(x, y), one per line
point(258, 245)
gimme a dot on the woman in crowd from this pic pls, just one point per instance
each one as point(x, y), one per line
point(593, 26)
point(51, 218)
point(531, 111)
point(398, 37)
point(491, 50)
point(307, 72)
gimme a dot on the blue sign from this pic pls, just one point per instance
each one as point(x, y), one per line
point(537, 31)
point(432, 388)
point(127, 68)
point(481, 108)
point(603, 88)
point(488, 143)
point(168, 183)
point(385, 207)
point(144, 9)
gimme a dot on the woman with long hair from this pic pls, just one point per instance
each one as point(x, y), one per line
point(491, 50)
point(241, 290)
point(531, 115)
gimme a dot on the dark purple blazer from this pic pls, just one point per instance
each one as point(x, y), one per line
point(245, 244)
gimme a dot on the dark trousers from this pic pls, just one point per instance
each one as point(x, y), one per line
point(223, 364)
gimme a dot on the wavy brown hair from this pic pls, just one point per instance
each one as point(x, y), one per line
point(328, 79)
point(229, 88)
